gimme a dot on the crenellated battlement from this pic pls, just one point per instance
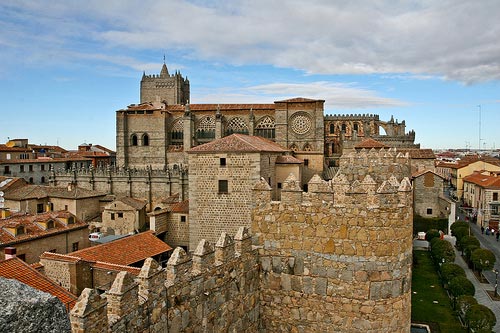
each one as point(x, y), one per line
point(214, 288)
point(364, 116)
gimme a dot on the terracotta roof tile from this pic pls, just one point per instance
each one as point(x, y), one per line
point(112, 267)
point(416, 153)
point(132, 202)
point(32, 229)
point(222, 107)
point(422, 172)
point(485, 181)
point(288, 159)
point(41, 191)
point(239, 143)
point(180, 207)
point(125, 251)
point(299, 100)
point(370, 143)
point(17, 269)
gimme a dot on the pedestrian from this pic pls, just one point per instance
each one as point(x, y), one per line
point(482, 229)
point(497, 235)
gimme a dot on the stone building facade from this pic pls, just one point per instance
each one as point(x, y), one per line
point(429, 199)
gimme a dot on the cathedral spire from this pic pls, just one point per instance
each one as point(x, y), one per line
point(164, 70)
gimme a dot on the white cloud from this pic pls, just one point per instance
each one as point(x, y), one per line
point(338, 96)
point(453, 39)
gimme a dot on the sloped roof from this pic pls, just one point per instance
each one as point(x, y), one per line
point(8, 183)
point(299, 100)
point(468, 160)
point(132, 202)
point(485, 181)
point(180, 207)
point(422, 172)
point(288, 159)
point(238, 143)
point(33, 230)
point(222, 107)
point(17, 269)
point(125, 251)
point(370, 143)
point(42, 191)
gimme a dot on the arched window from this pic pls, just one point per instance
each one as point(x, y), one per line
point(307, 147)
point(133, 140)
point(177, 131)
point(145, 140)
point(50, 224)
point(266, 128)
point(236, 125)
point(294, 147)
point(332, 128)
point(42, 180)
point(71, 220)
point(206, 128)
point(31, 180)
point(344, 127)
point(356, 127)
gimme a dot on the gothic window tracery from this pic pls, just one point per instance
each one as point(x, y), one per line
point(206, 128)
point(266, 128)
point(307, 147)
point(177, 131)
point(236, 125)
point(294, 148)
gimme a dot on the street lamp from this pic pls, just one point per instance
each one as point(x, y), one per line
point(496, 281)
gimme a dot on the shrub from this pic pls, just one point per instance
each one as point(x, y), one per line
point(460, 285)
point(450, 270)
point(480, 318)
point(483, 259)
point(430, 234)
point(468, 251)
point(424, 224)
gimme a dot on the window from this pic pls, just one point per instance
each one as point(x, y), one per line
point(133, 140)
point(8, 156)
point(112, 216)
point(39, 208)
point(6, 170)
point(279, 185)
point(356, 127)
point(223, 186)
point(21, 168)
point(31, 180)
point(42, 167)
point(222, 161)
point(344, 127)
point(75, 246)
point(65, 207)
point(306, 162)
point(50, 224)
point(42, 180)
point(31, 168)
point(19, 230)
point(22, 257)
point(495, 196)
point(120, 215)
point(71, 220)
point(183, 218)
point(429, 211)
point(306, 187)
point(332, 128)
point(145, 140)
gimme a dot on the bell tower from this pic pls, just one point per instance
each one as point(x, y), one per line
point(172, 89)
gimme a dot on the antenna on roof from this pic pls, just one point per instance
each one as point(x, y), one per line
point(164, 58)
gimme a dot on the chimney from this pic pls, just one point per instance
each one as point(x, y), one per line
point(10, 252)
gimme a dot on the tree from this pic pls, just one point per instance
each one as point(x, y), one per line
point(468, 251)
point(483, 259)
point(450, 270)
point(464, 302)
point(430, 234)
point(442, 251)
point(459, 233)
point(460, 285)
point(466, 241)
point(480, 318)
point(459, 224)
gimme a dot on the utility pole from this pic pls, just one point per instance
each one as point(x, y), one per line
point(479, 106)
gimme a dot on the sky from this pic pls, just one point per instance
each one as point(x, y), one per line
point(67, 66)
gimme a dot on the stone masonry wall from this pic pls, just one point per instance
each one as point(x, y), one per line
point(214, 290)
point(335, 259)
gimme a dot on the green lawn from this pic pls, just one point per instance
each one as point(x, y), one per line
point(426, 291)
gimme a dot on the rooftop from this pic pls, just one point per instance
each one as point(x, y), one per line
point(239, 143)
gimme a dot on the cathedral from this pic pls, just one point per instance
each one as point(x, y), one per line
point(164, 126)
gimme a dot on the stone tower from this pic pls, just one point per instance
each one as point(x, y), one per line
point(172, 89)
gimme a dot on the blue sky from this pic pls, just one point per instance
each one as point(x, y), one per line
point(67, 66)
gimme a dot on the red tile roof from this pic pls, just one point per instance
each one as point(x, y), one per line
point(33, 230)
point(288, 159)
point(238, 143)
point(41, 191)
point(485, 181)
point(180, 207)
point(299, 100)
point(222, 107)
point(422, 172)
point(416, 153)
point(370, 143)
point(125, 251)
point(17, 269)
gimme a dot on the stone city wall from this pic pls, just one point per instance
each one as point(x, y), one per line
point(337, 258)
point(214, 290)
